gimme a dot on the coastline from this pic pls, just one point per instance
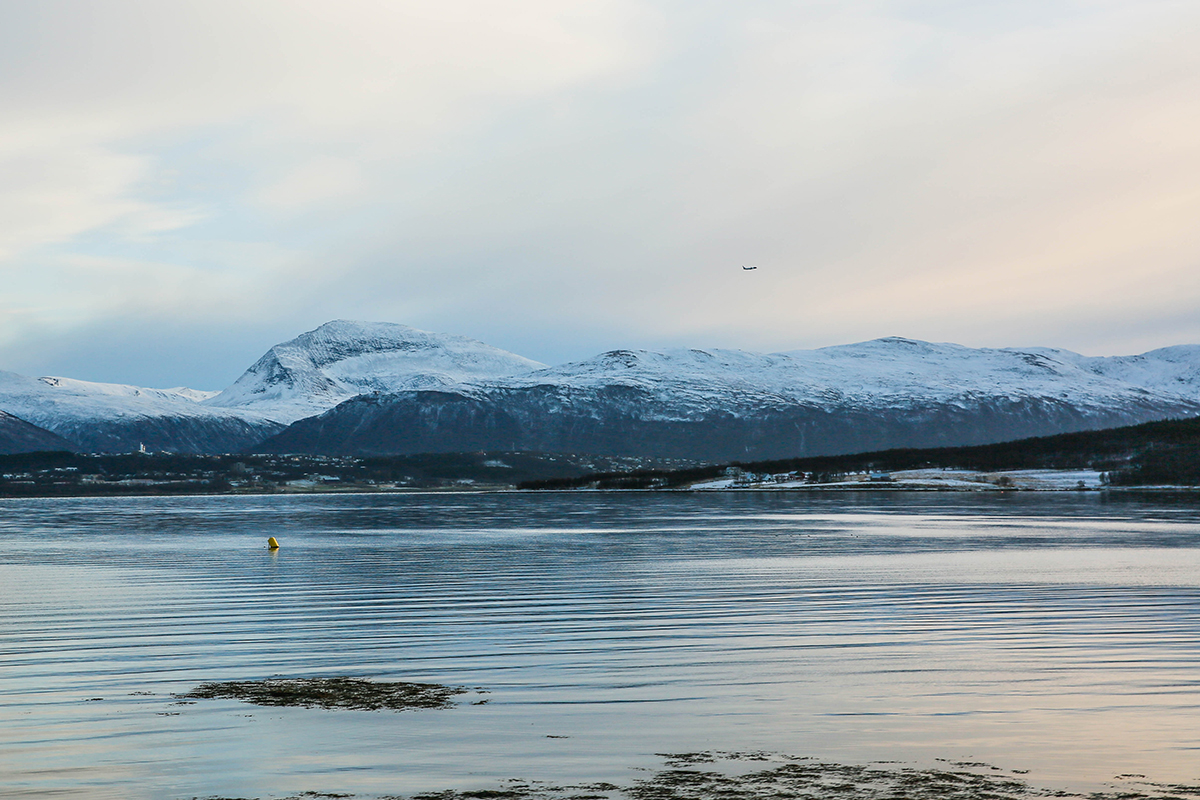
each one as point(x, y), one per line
point(894, 486)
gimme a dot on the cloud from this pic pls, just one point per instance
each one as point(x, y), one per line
point(59, 184)
point(569, 177)
point(318, 181)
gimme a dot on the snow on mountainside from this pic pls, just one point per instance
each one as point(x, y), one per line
point(107, 417)
point(726, 404)
point(120, 390)
point(339, 360)
point(1168, 369)
point(195, 395)
point(360, 387)
point(898, 371)
point(883, 373)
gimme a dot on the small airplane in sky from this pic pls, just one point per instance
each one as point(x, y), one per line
point(745, 267)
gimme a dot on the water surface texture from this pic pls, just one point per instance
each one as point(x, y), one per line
point(1056, 633)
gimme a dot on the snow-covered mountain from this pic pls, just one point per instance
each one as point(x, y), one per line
point(342, 359)
point(883, 373)
point(308, 375)
point(364, 388)
point(107, 417)
point(730, 404)
point(898, 372)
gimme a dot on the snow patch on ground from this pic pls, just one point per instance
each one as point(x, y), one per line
point(925, 479)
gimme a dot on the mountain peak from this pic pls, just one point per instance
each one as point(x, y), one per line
point(344, 358)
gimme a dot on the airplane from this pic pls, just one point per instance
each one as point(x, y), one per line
point(745, 267)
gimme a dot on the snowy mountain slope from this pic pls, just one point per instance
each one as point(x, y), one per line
point(19, 436)
point(883, 373)
point(104, 417)
point(729, 404)
point(120, 390)
point(1168, 369)
point(195, 395)
point(339, 360)
point(305, 376)
point(897, 371)
point(357, 387)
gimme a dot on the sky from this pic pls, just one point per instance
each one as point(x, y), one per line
point(184, 183)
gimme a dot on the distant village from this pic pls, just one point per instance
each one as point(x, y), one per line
point(149, 473)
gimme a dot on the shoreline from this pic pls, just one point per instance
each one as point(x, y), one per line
point(839, 488)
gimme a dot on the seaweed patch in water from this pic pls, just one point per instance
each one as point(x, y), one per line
point(743, 776)
point(331, 693)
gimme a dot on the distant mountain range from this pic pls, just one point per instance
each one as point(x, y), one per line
point(356, 388)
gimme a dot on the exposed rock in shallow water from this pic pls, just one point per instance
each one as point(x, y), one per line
point(331, 693)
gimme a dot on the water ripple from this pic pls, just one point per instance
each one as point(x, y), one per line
point(1058, 635)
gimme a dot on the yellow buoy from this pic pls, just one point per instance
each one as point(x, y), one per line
point(272, 544)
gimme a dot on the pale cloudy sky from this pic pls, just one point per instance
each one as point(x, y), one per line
point(184, 183)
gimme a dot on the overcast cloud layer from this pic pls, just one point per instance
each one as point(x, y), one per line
point(186, 183)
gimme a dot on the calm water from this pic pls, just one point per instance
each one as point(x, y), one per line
point(1058, 634)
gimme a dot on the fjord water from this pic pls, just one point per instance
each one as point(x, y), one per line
point(1058, 634)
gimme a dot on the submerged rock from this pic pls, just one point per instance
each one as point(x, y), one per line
point(331, 693)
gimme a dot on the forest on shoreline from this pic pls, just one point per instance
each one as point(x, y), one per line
point(1163, 453)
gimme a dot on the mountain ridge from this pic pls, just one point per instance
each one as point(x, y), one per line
point(350, 387)
point(724, 404)
point(107, 417)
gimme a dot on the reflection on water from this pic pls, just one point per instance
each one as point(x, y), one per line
point(1058, 634)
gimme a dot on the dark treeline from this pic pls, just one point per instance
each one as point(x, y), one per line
point(1154, 453)
point(64, 473)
